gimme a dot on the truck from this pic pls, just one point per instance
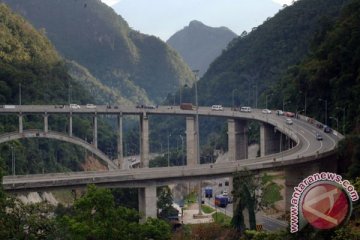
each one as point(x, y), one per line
point(221, 201)
point(186, 106)
point(8, 106)
point(208, 192)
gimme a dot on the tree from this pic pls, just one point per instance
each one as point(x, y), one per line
point(253, 192)
point(164, 203)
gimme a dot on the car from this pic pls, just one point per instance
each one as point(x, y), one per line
point(318, 137)
point(279, 112)
point(327, 129)
point(74, 106)
point(245, 109)
point(266, 111)
point(289, 114)
point(59, 106)
point(217, 108)
point(225, 193)
point(89, 105)
point(149, 106)
point(289, 121)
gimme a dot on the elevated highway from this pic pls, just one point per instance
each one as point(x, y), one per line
point(303, 156)
point(307, 148)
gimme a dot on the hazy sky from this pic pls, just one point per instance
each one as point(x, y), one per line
point(163, 18)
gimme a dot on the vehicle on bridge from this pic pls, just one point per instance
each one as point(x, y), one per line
point(266, 111)
point(8, 106)
point(91, 106)
point(289, 114)
point(186, 106)
point(245, 109)
point(279, 112)
point(318, 137)
point(327, 129)
point(74, 106)
point(217, 108)
point(289, 121)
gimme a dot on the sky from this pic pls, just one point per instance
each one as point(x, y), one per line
point(163, 18)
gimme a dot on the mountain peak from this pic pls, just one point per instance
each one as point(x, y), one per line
point(196, 23)
point(200, 44)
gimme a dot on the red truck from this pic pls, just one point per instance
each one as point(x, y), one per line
point(186, 106)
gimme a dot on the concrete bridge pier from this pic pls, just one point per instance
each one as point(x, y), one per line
point(294, 175)
point(237, 139)
point(191, 142)
point(95, 135)
point(21, 126)
point(46, 122)
point(70, 125)
point(120, 154)
point(148, 202)
point(144, 141)
point(270, 139)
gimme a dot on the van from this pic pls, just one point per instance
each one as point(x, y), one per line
point(245, 109)
point(217, 108)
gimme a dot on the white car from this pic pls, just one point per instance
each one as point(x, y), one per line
point(266, 111)
point(289, 121)
point(74, 106)
point(89, 105)
point(217, 108)
point(279, 112)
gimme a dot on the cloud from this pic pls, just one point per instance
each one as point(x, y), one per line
point(110, 2)
point(282, 2)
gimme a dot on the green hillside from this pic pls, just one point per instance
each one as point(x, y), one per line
point(29, 62)
point(255, 61)
point(93, 35)
point(331, 72)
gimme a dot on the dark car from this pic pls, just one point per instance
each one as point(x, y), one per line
point(327, 129)
point(318, 137)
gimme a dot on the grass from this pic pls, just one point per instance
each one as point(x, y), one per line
point(207, 209)
point(221, 218)
point(191, 198)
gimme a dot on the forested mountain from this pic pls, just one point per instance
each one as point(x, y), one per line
point(255, 61)
point(29, 62)
point(199, 44)
point(331, 72)
point(137, 66)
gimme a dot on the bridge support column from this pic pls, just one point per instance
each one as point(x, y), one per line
point(144, 141)
point(46, 123)
point(70, 125)
point(270, 139)
point(21, 128)
point(120, 153)
point(293, 176)
point(95, 140)
point(147, 202)
point(191, 142)
point(237, 139)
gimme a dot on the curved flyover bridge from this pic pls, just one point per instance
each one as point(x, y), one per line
point(293, 148)
point(34, 133)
